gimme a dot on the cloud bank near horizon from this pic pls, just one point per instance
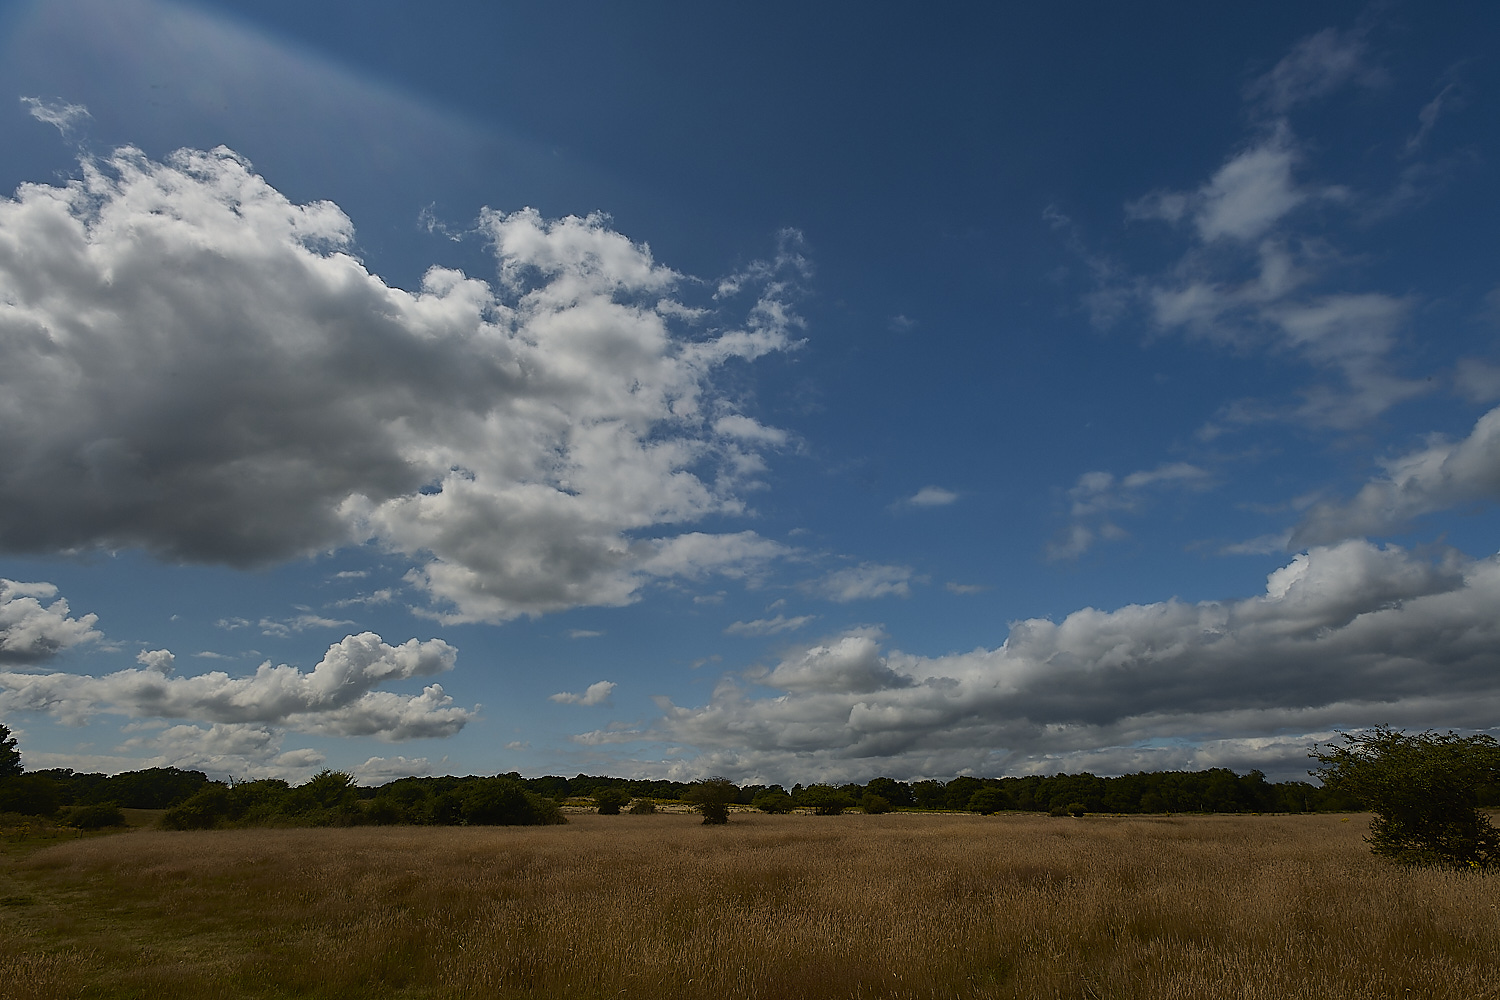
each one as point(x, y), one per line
point(1348, 635)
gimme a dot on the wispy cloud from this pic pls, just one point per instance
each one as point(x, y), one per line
point(770, 626)
point(595, 694)
point(928, 496)
point(863, 582)
point(59, 114)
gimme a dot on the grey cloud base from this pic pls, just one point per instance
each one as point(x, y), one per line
point(236, 725)
point(192, 365)
point(1344, 636)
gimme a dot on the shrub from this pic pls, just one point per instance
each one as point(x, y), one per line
point(609, 800)
point(1424, 791)
point(774, 801)
point(643, 807)
point(204, 810)
point(503, 802)
point(990, 800)
point(96, 817)
point(825, 800)
point(712, 797)
point(874, 804)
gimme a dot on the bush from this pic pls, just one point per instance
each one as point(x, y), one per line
point(825, 800)
point(503, 802)
point(990, 800)
point(609, 800)
point(774, 801)
point(874, 804)
point(712, 797)
point(1424, 791)
point(204, 810)
point(643, 807)
point(96, 817)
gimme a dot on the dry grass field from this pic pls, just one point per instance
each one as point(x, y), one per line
point(770, 906)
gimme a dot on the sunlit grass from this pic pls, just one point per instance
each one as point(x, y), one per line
point(792, 906)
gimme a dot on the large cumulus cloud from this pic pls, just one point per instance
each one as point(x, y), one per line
point(338, 697)
point(1348, 635)
point(193, 365)
point(31, 631)
point(1441, 475)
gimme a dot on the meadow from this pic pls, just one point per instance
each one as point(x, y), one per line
point(898, 905)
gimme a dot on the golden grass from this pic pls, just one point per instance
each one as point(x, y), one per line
point(770, 906)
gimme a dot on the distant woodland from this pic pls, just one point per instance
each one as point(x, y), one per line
point(332, 798)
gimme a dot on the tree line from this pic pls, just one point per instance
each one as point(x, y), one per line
point(332, 798)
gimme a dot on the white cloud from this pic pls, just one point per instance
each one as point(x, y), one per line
point(595, 694)
point(299, 623)
point(1442, 475)
point(379, 770)
point(965, 589)
point(384, 595)
point(863, 582)
point(1428, 116)
point(1255, 272)
point(222, 750)
point(1342, 636)
point(59, 114)
point(195, 366)
point(31, 631)
point(1097, 494)
point(1316, 66)
point(929, 496)
point(583, 633)
point(1478, 381)
point(337, 697)
point(770, 626)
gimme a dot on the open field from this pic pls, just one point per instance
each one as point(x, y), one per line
point(770, 906)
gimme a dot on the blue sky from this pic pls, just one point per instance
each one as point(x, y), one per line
point(780, 393)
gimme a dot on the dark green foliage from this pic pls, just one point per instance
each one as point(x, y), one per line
point(874, 804)
point(643, 807)
point(503, 802)
point(897, 793)
point(95, 817)
point(712, 797)
point(609, 800)
point(990, 800)
point(10, 757)
point(773, 800)
point(1424, 790)
point(209, 807)
point(959, 791)
point(29, 795)
point(825, 800)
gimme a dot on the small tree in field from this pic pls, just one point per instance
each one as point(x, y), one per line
point(712, 797)
point(609, 800)
point(1423, 790)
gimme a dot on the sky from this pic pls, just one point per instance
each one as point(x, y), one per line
point(779, 392)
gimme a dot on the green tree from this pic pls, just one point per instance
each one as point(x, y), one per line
point(712, 797)
point(10, 757)
point(990, 800)
point(773, 800)
point(1424, 791)
point(609, 800)
point(825, 800)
